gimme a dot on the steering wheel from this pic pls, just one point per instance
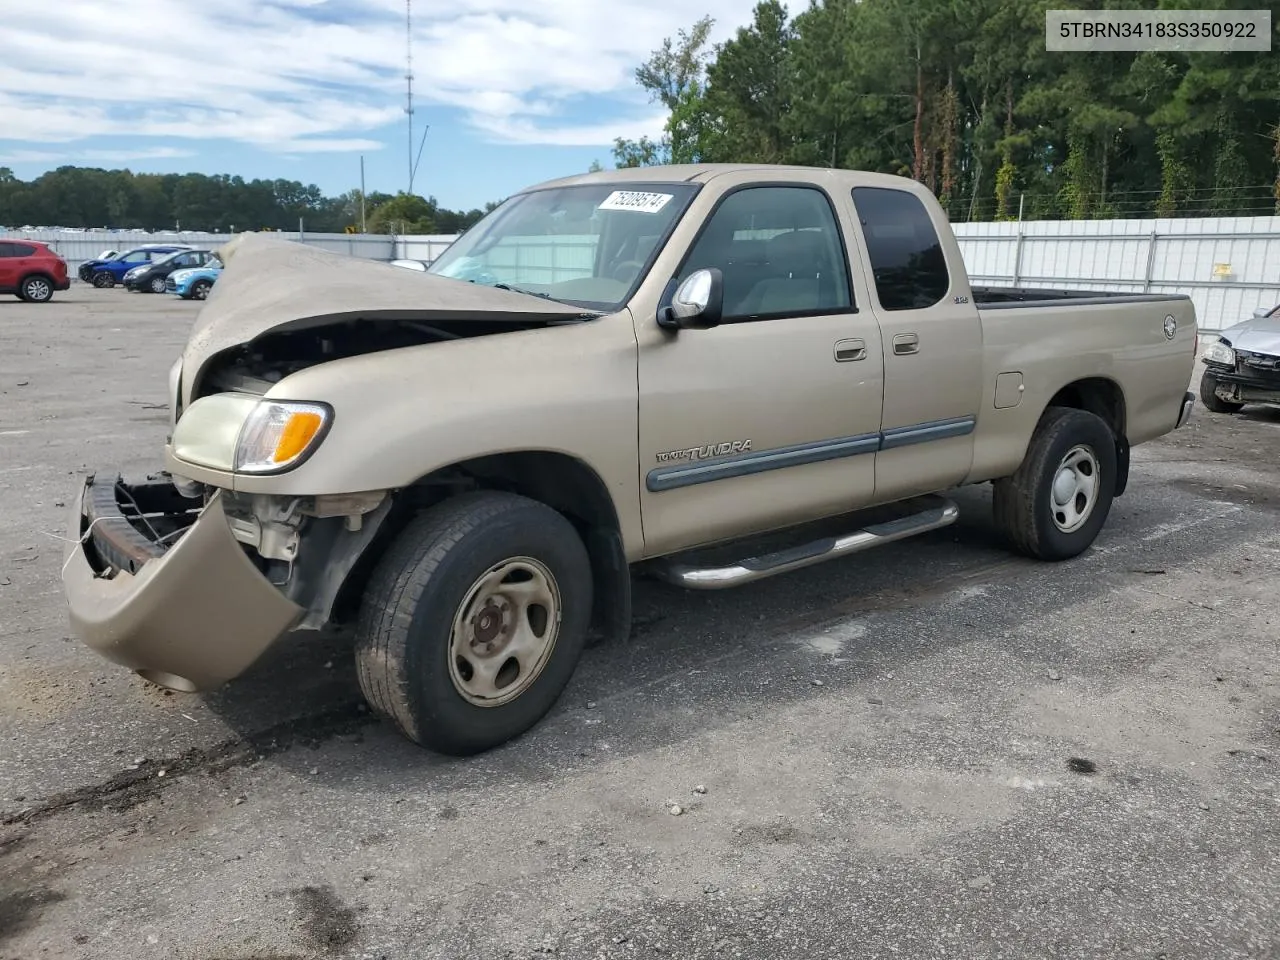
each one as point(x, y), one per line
point(626, 271)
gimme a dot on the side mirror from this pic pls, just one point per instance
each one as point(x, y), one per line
point(697, 303)
point(1262, 312)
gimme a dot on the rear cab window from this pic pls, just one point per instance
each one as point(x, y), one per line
point(906, 257)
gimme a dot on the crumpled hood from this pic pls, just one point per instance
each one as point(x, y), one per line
point(268, 283)
point(1256, 336)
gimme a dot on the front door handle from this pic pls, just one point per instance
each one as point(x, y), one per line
point(906, 343)
point(847, 350)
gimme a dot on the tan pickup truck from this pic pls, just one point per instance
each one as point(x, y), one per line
point(707, 374)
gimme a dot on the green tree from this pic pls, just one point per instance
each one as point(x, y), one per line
point(748, 91)
point(674, 75)
point(640, 153)
point(403, 213)
point(90, 197)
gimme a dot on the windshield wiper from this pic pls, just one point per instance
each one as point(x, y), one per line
point(532, 293)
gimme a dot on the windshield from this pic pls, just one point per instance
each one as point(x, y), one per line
point(588, 245)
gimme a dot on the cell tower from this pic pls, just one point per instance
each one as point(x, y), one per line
point(408, 104)
point(408, 77)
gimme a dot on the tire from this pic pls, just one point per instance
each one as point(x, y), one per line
point(36, 289)
point(1025, 509)
point(103, 280)
point(1211, 401)
point(156, 285)
point(413, 607)
point(200, 290)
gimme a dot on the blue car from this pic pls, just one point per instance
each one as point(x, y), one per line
point(107, 273)
point(194, 283)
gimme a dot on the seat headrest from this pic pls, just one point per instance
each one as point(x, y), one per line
point(800, 251)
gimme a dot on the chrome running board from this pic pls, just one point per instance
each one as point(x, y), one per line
point(695, 577)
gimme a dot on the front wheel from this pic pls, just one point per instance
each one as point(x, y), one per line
point(473, 622)
point(102, 279)
point(1209, 396)
point(1054, 506)
point(157, 284)
point(36, 290)
point(200, 289)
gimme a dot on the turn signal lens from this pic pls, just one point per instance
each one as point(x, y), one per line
point(299, 430)
point(279, 433)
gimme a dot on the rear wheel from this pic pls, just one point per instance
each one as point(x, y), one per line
point(103, 279)
point(1210, 398)
point(36, 290)
point(474, 620)
point(1054, 506)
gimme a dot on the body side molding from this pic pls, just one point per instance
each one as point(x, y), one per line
point(818, 451)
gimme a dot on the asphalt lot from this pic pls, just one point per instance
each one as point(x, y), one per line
point(886, 742)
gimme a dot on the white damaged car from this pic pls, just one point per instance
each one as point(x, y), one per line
point(1243, 365)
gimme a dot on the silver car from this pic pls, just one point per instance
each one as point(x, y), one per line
point(1243, 366)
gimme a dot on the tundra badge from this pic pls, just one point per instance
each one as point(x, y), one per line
point(709, 450)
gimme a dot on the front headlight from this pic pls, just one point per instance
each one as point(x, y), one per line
point(1220, 352)
point(280, 434)
point(238, 433)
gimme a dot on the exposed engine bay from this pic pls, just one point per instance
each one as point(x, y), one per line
point(255, 366)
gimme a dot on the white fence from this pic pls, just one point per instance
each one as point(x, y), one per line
point(1228, 266)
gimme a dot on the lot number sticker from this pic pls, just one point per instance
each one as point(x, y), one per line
point(635, 201)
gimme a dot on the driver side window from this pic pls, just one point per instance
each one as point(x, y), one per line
point(780, 252)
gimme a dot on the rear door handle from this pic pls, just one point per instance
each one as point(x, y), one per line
point(847, 350)
point(906, 343)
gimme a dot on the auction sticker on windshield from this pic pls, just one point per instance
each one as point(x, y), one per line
point(634, 200)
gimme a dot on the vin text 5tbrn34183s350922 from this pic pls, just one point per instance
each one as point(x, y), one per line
point(643, 369)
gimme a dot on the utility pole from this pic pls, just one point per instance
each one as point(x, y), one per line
point(362, 223)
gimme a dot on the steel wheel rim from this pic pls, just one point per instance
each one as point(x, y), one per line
point(38, 290)
point(157, 285)
point(1073, 493)
point(504, 632)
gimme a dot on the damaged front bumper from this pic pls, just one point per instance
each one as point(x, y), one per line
point(159, 583)
point(1255, 378)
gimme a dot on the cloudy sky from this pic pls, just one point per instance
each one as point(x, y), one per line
point(301, 88)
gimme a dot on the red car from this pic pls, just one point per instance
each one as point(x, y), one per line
point(31, 271)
